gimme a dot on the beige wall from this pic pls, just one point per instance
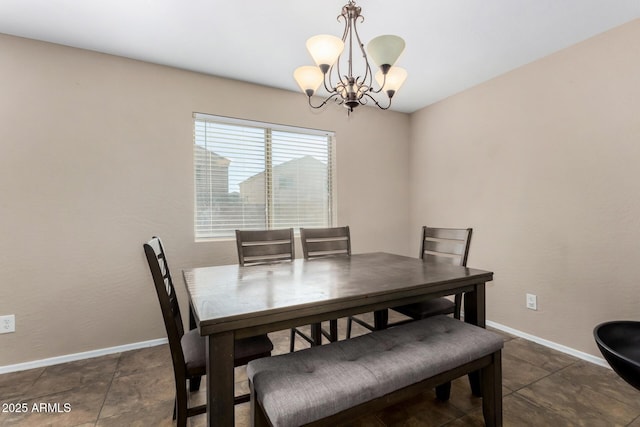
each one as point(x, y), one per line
point(543, 163)
point(96, 157)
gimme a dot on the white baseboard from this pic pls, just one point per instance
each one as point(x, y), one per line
point(555, 346)
point(80, 356)
point(118, 349)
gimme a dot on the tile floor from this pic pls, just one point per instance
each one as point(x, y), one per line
point(541, 387)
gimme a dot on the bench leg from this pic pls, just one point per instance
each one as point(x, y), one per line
point(443, 391)
point(491, 381)
point(258, 417)
point(474, 382)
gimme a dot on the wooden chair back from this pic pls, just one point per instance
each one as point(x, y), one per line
point(448, 245)
point(265, 246)
point(321, 242)
point(168, 303)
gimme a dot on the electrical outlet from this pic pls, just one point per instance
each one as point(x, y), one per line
point(532, 302)
point(7, 324)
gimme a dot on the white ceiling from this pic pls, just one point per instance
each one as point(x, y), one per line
point(451, 44)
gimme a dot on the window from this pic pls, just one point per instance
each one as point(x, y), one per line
point(252, 175)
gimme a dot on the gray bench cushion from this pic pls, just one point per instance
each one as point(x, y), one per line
point(298, 388)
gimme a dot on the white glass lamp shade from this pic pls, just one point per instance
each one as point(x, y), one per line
point(308, 78)
point(325, 50)
point(385, 50)
point(394, 79)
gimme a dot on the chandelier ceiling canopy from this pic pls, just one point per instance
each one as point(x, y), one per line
point(342, 85)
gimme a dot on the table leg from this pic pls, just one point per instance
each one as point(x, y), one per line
point(220, 409)
point(474, 313)
point(474, 306)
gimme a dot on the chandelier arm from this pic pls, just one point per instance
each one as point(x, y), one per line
point(343, 15)
point(377, 103)
point(338, 74)
point(327, 77)
point(384, 82)
point(323, 102)
point(368, 74)
point(345, 33)
point(341, 81)
point(363, 88)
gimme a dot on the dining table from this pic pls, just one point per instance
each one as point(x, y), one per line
point(230, 302)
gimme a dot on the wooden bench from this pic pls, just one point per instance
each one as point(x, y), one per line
point(340, 381)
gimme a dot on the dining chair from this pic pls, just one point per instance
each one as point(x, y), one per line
point(265, 246)
point(444, 245)
point(188, 351)
point(256, 247)
point(447, 245)
point(319, 243)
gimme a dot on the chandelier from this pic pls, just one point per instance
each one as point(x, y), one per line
point(346, 88)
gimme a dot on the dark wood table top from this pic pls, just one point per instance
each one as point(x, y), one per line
point(231, 297)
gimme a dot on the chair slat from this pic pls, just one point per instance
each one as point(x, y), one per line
point(319, 233)
point(447, 233)
point(266, 235)
point(430, 257)
point(338, 246)
point(279, 248)
point(452, 247)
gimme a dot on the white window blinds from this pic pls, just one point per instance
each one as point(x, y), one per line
point(252, 175)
